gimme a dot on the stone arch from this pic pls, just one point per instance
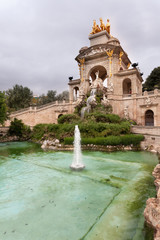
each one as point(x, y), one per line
point(127, 86)
point(149, 118)
point(102, 72)
point(60, 115)
point(75, 93)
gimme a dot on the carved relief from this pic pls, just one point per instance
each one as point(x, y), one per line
point(95, 51)
point(61, 109)
point(148, 101)
point(110, 87)
point(126, 112)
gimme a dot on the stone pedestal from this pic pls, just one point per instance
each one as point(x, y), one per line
point(99, 38)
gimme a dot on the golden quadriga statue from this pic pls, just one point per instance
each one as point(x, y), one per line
point(96, 28)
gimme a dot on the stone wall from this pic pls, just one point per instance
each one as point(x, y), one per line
point(48, 113)
point(152, 137)
point(3, 131)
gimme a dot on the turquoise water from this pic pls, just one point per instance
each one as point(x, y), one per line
point(41, 198)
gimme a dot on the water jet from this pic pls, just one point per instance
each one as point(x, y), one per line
point(77, 163)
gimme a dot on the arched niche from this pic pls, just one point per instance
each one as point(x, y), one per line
point(127, 86)
point(75, 93)
point(149, 118)
point(95, 69)
point(60, 115)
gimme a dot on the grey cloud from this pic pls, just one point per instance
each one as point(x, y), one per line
point(39, 39)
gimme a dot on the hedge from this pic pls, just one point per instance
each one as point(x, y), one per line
point(110, 140)
point(61, 131)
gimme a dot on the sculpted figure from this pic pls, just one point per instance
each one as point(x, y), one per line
point(126, 113)
point(95, 28)
point(102, 26)
point(110, 87)
point(108, 26)
point(97, 74)
point(105, 101)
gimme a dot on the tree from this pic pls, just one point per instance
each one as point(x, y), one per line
point(3, 108)
point(63, 96)
point(153, 80)
point(19, 97)
point(44, 99)
point(18, 128)
point(51, 95)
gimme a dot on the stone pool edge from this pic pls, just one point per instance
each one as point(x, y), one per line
point(152, 210)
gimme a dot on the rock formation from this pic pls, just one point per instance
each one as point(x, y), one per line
point(152, 210)
point(54, 144)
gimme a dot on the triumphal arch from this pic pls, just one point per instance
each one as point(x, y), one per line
point(106, 66)
point(107, 62)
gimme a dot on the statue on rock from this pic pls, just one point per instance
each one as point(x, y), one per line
point(97, 84)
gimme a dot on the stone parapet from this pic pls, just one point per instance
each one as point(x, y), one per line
point(151, 137)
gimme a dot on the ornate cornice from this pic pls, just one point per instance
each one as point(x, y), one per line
point(99, 50)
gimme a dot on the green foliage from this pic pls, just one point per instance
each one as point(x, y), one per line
point(113, 118)
point(3, 108)
point(19, 97)
point(102, 117)
point(92, 129)
point(110, 140)
point(44, 99)
point(38, 131)
point(63, 96)
point(152, 80)
point(102, 109)
point(51, 95)
point(59, 131)
point(18, 128)
point(69, 118)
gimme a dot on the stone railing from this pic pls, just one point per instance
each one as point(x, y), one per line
point(21, 110)
point(146, 130)
point(155, 91)
point(127, 95)
point(35, 108)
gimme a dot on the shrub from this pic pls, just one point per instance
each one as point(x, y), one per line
point(68, 118)
point(113, 118)
point(68, 140)
point(131, 139)
point(97, 117)
point(18, 128)
point(102, 117)
point(38, 131)
point(89, 129)
point(110, 140)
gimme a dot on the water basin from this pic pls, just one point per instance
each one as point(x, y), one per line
point(42, 198)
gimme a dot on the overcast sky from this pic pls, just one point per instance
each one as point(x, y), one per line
point(39, 39)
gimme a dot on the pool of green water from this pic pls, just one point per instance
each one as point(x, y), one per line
point(42, 199)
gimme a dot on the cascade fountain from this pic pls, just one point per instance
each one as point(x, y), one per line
point(77, 163)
